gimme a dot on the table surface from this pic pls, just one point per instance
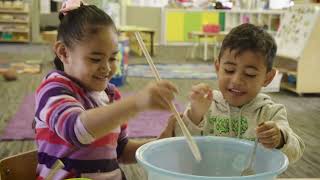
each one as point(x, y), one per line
point(135, 28)
point(201, 33)
point(299, 178)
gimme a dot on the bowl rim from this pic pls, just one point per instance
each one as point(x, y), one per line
point(142, 148)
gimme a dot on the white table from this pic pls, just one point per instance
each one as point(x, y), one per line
point(206, 37)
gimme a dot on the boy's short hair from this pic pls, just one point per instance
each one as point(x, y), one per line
point(253, 38)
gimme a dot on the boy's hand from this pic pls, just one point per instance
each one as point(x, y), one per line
point(201, 98)
point(269, 135)
point(169, 130)
point(156, 95)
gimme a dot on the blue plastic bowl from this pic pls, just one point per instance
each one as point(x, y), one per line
point(222, 159)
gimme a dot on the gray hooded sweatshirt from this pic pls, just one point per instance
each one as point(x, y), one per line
point(225, 120)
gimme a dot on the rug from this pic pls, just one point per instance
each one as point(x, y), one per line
point(174, 71)
point(19, 126)
point(145, 124)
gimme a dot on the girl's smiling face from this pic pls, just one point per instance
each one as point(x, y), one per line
point(93, 60)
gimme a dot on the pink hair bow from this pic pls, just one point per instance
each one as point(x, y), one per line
point(69, 5)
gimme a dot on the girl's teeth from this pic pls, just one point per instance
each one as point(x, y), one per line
point(234, 90)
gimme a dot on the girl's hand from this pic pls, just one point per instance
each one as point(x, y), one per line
point(201, 98)
point(156, 95)
point(269, 135)
point(169, 130)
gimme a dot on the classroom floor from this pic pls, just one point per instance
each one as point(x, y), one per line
point(303, 112)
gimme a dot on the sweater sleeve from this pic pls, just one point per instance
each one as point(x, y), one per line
point(58, 109)
point(122, 139)
point(294, 146)
point(123, 136)
point(195, 130)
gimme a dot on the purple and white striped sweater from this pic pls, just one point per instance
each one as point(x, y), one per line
point(60, 134)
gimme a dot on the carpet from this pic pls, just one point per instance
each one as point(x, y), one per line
point(19, 127)
point(174, 71)
point(145, 124)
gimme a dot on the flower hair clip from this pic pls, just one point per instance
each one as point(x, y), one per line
point(69, 5)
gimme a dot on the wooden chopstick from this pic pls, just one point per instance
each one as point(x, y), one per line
point(54, 169)
point(192, 144)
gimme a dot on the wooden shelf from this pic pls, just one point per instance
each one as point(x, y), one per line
point(287, 71)
point(15, 24)
point(286, 56)
point(15, 40)
point(13, 11)
point(269, 19)
point(14, 31)
point(288, 86)
point(14, 21)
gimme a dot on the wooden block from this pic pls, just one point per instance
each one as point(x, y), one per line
point(49, 36)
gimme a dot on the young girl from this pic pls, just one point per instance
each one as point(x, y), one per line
point(77, 120)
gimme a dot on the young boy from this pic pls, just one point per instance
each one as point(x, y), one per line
point(239, 109)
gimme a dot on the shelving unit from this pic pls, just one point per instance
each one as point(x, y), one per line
point(179, 22)
point(270, 19)
point(298, 56)
point(14, 22)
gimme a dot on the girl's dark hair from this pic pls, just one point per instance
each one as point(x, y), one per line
point(253, 38)
point(79, 24)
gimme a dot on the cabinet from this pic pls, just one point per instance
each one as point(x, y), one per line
point(269, 19)
point(298, 56)
point(179, 22)
point(14, 21)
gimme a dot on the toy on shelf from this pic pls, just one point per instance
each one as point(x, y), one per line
point(120, 76)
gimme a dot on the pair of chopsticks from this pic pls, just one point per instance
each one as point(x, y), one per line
point(192, 144)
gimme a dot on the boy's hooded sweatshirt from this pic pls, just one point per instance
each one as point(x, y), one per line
point(225, 120)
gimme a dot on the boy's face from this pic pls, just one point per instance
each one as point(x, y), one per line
point(241, 77)
point(93, 62)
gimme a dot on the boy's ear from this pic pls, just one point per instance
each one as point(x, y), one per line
point(269, 77)
point(61, 51)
